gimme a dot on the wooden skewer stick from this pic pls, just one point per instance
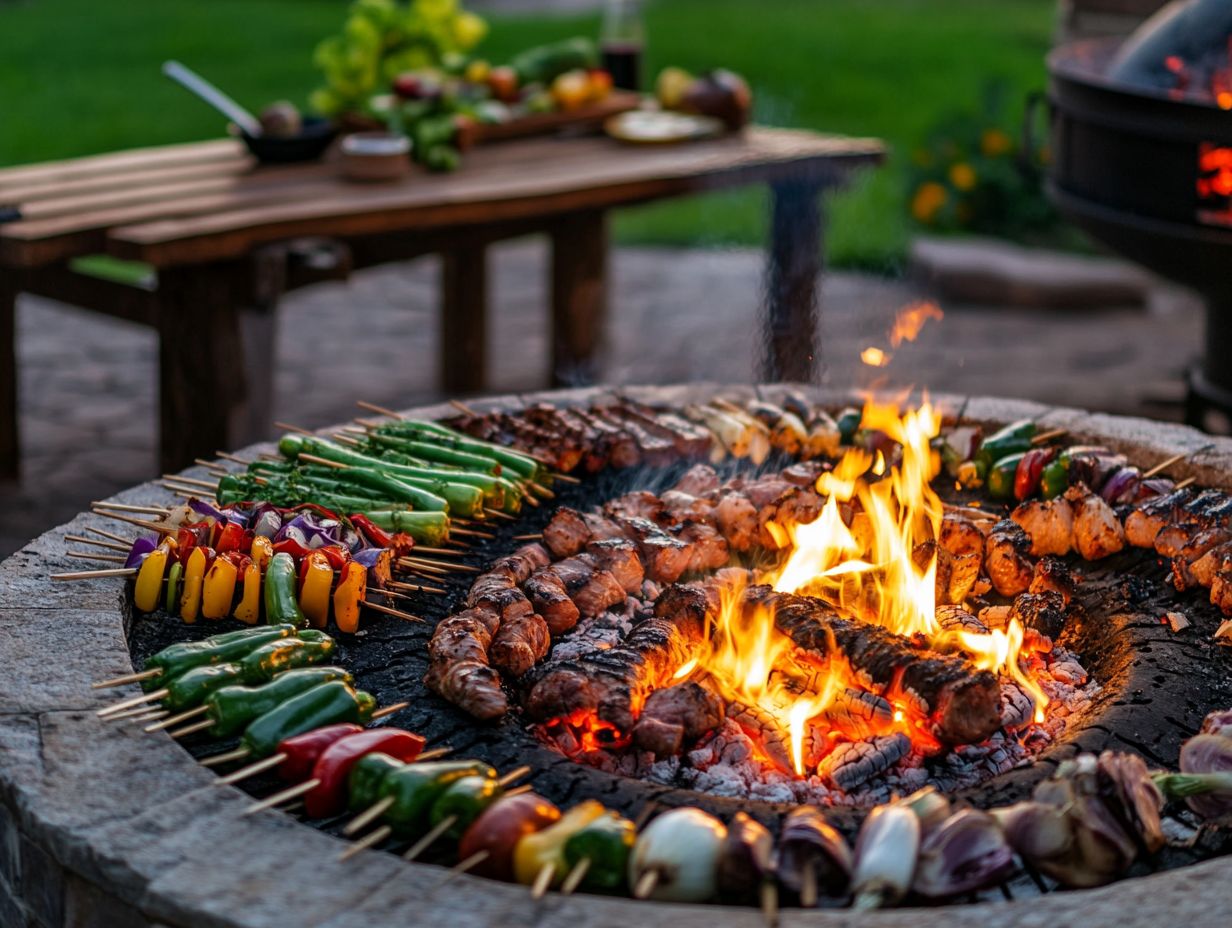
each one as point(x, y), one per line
point(286, 427)
point(379, 410)
point(251, 770)
point(463, 408)
point(646, 884)
point(397, 613)
point(443, 565)
point(433, 754)
point(389, 710)
point(132, 715)
point(225, 758)
point(103, 533)
point(531, 501)
point(515, 774)
point(543, 881)
point(125, 507)
point(770, 903)
point(213, 468)
point(430, 837)
point(291, 792)
point(1186, 482)
point(377, 591)
point(497, 514)
point(368, 424)
point(517, 790)
point(533, 536)
point(177, 719)
point(91, 556)
point(471, 533)
point(367, 841)
point(563, 478)
point(447, 552)
point(127, 678)
point(368, 816)
point(191, 481)
point(422, 568)
point(542, 491)
point(192, 729)
point(148, 716)
point(140, 523)
point(123, 704)
point(462, 866)
point(110, 545)
point(234, 459)
point(324, 462)
point(416, 587)
point(575, 877)
point(1044, 437)
point(808, 888)
point(95, 574)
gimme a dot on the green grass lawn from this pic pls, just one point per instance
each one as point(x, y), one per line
point(81, 76)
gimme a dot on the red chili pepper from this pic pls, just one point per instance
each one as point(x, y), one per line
point(190, 536)
point(377, 536)
point(303, 751)
point(292, 547)
point(233, 537)
point(329, 796)
point(1030, 471)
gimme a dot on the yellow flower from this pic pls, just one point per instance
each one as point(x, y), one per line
point(994, 142)
point(929, 198)
point(962, 176)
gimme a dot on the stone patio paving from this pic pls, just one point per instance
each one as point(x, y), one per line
point(87, 383)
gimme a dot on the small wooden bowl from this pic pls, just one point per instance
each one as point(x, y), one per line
point(376, 156)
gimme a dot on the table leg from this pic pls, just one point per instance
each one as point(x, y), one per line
point(579, 297)
point(464, 319)
point(201, 371)
point(794, 263)
point(10, 450)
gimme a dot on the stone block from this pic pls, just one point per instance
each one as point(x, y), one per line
point(88, 906)
point(42, 885)
point(88, 645)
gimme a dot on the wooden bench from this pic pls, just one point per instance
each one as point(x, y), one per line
point(226, 239)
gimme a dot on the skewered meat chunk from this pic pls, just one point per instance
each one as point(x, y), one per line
point(1189, 540)
point(955, 576)
point(1210, 507)
point(664, 557)
point(737, 518)
point(551, 600)
point(567, 533)
point(709, 548)
point(619, 557)
point(1221, 590)
point(656, 450)
point(1053, 574)
point(1005, 558)
point(686, 442)
point(592, 589)
point(472, 686)
point(1048, 523)
point(615, 682)
point(519, 643)
point(1041, 612)
point(963, 702)
point(463, 637)
point(681, 507)
point(640, 504)
point(1097, 531)
point(1202, 571)
point(675, 717)
point(960, 535)
point(1146, 521)
point(698, 480)
point(803, 473)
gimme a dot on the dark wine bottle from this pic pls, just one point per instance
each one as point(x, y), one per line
point(622, 41)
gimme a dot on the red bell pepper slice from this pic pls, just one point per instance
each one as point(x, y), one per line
point(377, 536)
point(233, 537)
point(1030, 471)
point(292, 547)
point(303, 751)
point(337, 555)
point(329, 796)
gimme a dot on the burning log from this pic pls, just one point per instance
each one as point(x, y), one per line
point(1017, 708)
point(962, 701)
point(858, 713)
point(763, 728)
point(856, 762)
point(958, 619)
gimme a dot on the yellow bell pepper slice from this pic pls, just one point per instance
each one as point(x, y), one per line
point(314, 591)
point(219, 589)
point(194, 580)
point(348, 596)
point(262, 550)
point(149, 588)
point(542, 848)
point(249, 608)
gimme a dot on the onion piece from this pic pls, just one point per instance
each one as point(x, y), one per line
point(886, 850)
point(682, 848)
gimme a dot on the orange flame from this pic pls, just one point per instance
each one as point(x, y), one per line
point(874, 357)
point(998, 651)
point(910, 320)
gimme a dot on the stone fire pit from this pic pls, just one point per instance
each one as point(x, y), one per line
point(104, 825)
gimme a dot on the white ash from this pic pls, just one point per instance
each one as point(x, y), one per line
point(729, 762)
point(600, 633)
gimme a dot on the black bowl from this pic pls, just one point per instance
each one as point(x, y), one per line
point(310, 144)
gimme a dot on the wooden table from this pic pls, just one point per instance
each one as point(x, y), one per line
point(227, 239)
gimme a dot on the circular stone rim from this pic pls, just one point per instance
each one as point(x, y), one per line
point(134, 814)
